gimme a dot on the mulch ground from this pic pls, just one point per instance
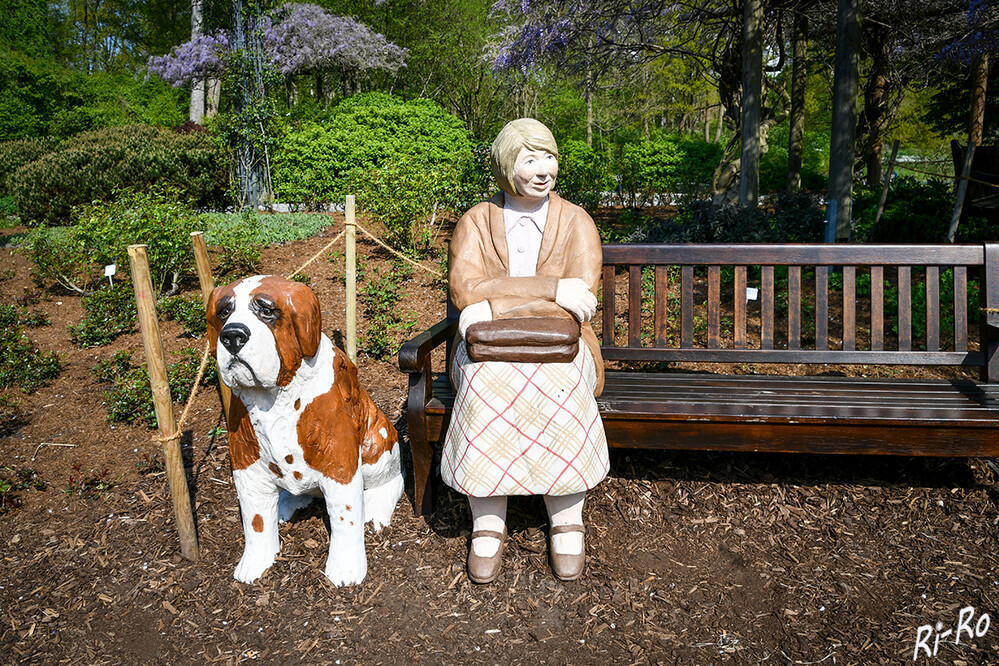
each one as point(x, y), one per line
point(693, 558)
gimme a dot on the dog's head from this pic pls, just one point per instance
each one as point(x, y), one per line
point(261, 328)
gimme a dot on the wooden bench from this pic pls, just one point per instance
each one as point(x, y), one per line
point(854, 305)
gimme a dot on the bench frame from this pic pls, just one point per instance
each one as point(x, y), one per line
point(836, 429)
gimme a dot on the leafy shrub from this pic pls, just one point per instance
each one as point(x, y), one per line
point(103, 164)
point(409, 197)
point(89, 486)
point(14, 481)
point(269, 228)
point(110, 313)
point(188, 311)
point(15, 154)
point(364, 132)
point(22, 364)
point(914, 212)
point(582, 174)
point(814, 161)
point(663, 165)
point(75, 257)
point(382, 294)
point(793, 219)
point(130, 397)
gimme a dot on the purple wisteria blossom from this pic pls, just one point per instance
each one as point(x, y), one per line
point(980, 36)
point(297, 38)
point(199, 58)
point(303, 37)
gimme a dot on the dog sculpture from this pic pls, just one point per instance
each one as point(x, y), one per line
point(299, 422)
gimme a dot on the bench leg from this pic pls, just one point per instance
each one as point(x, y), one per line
point(419, 445)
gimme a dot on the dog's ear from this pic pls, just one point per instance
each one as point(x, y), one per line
point(211, 313)
point(307, 318)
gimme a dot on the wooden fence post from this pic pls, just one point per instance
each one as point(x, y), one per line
point(146, 301)
point(351, 278)
point(207, 284)
point(884, 190)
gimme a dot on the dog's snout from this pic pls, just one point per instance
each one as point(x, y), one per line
point(233, 337)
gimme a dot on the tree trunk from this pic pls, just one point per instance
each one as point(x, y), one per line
point(213, 91)
point(721, 121)
point(844, 121)
point(878, 92)
point(799, 78)
point(752, 93)
point(979, 86)
point(197, 110)
point(252, 173)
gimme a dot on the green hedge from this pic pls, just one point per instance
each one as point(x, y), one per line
point(666, 164)
point(582, 174)
point(16, 154)
point(93, 165)
point(364, 132)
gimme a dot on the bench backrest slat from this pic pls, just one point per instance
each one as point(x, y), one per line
point(713, 316)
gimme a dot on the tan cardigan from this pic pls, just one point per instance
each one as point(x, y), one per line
point(479, 264)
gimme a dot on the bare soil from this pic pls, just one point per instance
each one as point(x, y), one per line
point(693, 558)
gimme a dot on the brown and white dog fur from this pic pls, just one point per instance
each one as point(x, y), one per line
point(300, 422)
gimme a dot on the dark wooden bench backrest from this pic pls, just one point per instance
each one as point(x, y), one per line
point(984, 167)
point(664, 329)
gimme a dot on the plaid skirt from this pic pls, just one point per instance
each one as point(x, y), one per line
point(524, 428)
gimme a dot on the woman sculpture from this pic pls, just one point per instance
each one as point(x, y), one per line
point(524, 427)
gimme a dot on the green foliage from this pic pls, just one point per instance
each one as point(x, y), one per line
point(382, 294)
point(914, 212)
point(582, 174)
point(268, 228)
point(792, 219)
point(75, 257)
point(665, 164)
point(105, 164)
point(188, 311)
point(110, 313)
point(22, 364)
point(130, 397)
point(239, 246)
point(15, 154)
point(814, 161)
point(13, 481)
point(365, 132)
point(409, 197)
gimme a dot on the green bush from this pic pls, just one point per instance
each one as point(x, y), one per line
point(104, 164)
point(409, 197)
point(382, 294)
point(582, 174)
point(914, 212)
point(365, 132)
point(22, 364)
point(110, 313)
point(15, 154)
point(814, 161)
point(664, 165)
point(75, 257)
point(238, 246)
point(188, 311)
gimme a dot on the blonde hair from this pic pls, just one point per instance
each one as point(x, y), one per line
point(516, 134)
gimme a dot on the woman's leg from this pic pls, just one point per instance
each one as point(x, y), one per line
point(488, 513)
point(566, 510)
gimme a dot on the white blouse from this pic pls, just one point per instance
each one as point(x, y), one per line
point(523, 238)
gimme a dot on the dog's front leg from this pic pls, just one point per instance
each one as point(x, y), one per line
point(347, 563)
point(258, 502)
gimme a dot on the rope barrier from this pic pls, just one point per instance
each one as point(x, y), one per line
point(316, 255)
point(398, 254)
point(943, 175)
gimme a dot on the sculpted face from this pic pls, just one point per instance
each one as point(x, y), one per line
point(534, 173)
point(261, 328)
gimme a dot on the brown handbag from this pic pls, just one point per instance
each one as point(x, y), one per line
point(524, 340)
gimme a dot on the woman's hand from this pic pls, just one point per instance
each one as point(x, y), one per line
point(573, 295)
point(473, 314)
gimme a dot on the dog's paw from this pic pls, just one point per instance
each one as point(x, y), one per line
point(251, 567)
point(349, 570)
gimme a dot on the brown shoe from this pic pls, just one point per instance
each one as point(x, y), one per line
point(485, 569)
point(566, 567)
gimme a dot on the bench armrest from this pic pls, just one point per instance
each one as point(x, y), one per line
point(991, 330)
point(414, 354)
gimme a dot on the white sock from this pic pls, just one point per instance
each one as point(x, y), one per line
point(488, 513)
point(566, 510)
